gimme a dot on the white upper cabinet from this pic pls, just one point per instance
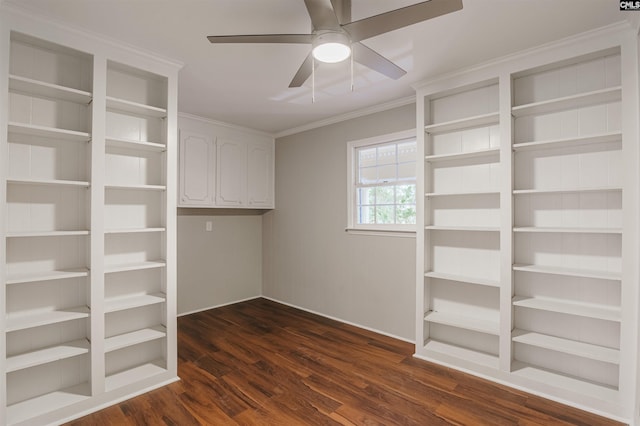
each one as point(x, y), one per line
point(197, 173)
point(225, 172)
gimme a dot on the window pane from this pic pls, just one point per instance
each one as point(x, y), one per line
point(406, 214)
point(407, 152)
point(366, 157)
point(387, 173)
point(385, 215)
point(387, 154)
point(367, 175)
point(406, 194)
point(366, 196)
point(385, 195)
point(366, 215)
point(407, 171)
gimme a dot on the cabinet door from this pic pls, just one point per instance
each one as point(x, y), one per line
point(197, 178)
point(231, 173)
point(260, 175)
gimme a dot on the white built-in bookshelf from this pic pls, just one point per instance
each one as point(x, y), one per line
point(526, 248)
point(135, 205)
point(48, 178)
point(567, 201)
point(88, 195)
point(461, 223)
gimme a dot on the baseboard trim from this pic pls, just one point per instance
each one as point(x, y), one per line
point(340, 320)
point(218, 306)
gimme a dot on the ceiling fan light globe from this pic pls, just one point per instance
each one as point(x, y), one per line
point(331, 52)
point(331, 47)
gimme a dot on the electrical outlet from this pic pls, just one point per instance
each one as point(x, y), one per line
point(208, 226)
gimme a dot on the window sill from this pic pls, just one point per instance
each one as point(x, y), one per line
point(382, 232)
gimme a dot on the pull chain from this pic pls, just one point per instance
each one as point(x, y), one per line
point(313, 80)
point(352, 70)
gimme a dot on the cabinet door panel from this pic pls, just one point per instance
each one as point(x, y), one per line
point(260, 175)
point(196, 170)
point(231, 173)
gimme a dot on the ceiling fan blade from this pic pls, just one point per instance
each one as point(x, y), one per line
point(322, 15)
point(304, 72)
point(263, 38)
point(372, 59)
point(342, 9)
point(399, 18)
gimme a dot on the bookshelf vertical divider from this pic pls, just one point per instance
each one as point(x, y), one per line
point(506, 221)
point(97, 223)
point(4, 112)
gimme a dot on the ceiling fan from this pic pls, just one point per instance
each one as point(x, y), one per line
point(334, 37)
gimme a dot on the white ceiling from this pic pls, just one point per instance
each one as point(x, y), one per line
point(247, 85)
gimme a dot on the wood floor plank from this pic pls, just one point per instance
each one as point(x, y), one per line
point(109, 416)
point(253, 386)
point(560, 412)
point(472, 416)
point(167, 403)
point(261, 363)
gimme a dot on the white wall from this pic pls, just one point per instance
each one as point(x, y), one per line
point(225, 265)
point(309, 260)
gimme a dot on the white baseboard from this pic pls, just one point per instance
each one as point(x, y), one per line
point(340, 320)
point(218, 306)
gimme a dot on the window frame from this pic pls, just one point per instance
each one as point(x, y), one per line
point(408, 230)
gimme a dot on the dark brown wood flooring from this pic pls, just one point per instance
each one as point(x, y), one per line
point(263, 363)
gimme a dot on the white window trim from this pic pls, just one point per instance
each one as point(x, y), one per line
point(372, 229)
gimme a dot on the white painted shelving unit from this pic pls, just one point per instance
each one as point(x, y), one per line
point(47, 180)
point(567, 197)
point(461, 224)
point(88, 193)
point(527, 245)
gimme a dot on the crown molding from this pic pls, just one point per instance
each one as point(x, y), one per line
point(348, 116)
point(633, 18)
point(223, 124)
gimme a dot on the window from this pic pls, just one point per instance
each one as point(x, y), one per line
point(382, 183)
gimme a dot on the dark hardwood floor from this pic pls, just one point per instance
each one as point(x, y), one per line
point(263, 363)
